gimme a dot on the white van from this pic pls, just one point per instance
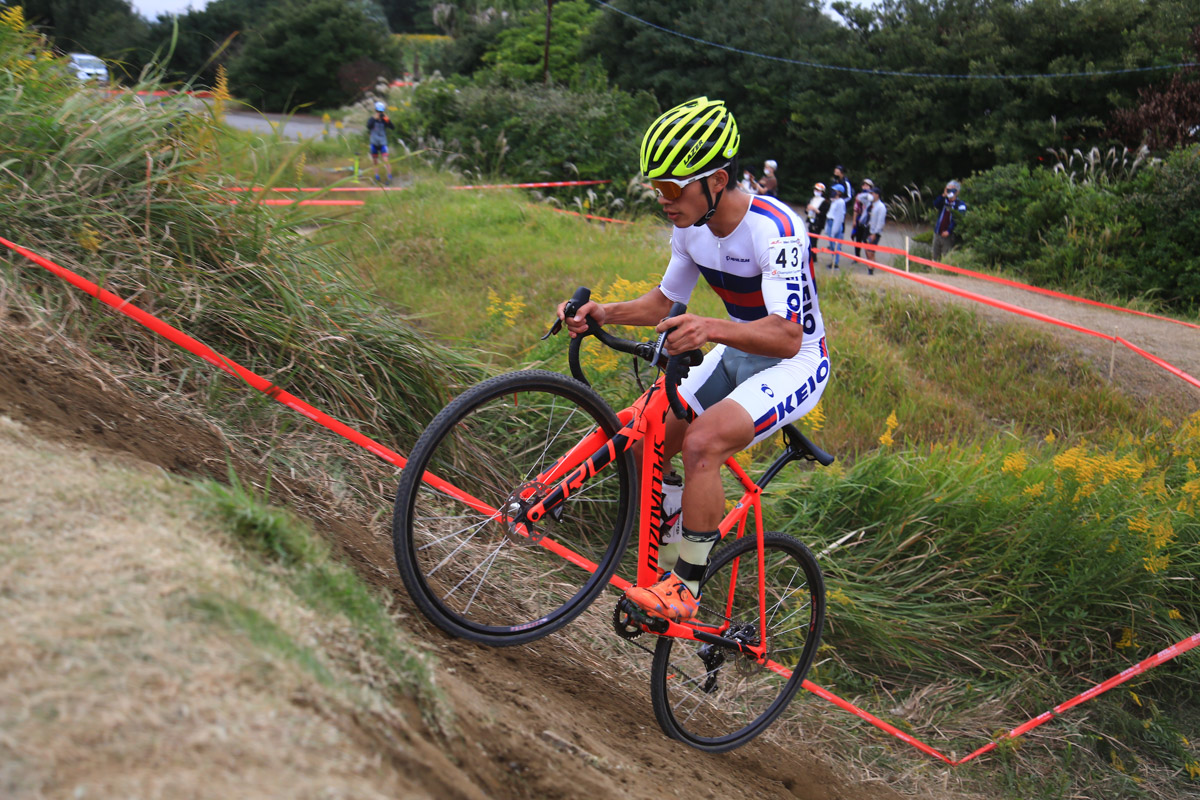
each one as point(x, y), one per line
point(87, 67)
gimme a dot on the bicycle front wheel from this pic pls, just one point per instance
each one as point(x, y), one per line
point(715, 699)
point(501, 445)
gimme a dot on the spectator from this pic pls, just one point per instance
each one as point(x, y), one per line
point(377, 128)
point(835, 224)
point(769, 185)
point(817, 209)
point(876, 217)
point(948, 206)
point(861, 222)
point(747, 182)
point(840, 179)
point(814, 205)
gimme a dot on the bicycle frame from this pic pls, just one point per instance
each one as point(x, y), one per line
point(645, 421)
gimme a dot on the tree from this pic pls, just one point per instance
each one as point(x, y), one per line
point(294, 57)
point(519, 53)
point(1166, 116)
point(107, 28)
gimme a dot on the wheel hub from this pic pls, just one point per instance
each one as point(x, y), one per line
point(513, 512)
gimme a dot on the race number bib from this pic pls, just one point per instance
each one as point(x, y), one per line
point(786, 256)
point(787, 282)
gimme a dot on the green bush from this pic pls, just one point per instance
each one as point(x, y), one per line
point(530, 132)
point(1129, 236)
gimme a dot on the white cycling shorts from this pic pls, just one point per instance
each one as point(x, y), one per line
point(773, 391)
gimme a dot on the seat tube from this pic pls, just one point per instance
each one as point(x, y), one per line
point(650, 522)
point(762, 568)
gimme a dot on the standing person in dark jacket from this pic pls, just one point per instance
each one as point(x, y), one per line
point(862, 225)
point(840, 179)
point(377, 128)
point(949, 207)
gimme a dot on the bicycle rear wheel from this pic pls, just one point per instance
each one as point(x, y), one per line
point(466, 568)
point(715, 699)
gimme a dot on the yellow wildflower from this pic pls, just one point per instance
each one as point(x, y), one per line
point(87, 236)
point(1161, 533)
point(840, 597)
point(816, 417)
point(513, 309)
point(1015, 463)
point(1174, 614)
point(1193, 769)
point(1126, 640)
point(1192, 488)
point(892, 423)
point(1156, 564)
point(1140, 523)
point(1050, 438)
point(1035, 490)
point(13, 18)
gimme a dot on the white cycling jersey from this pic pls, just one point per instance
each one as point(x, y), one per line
point(760, 268)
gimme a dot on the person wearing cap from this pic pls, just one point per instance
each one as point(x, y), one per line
point(876, 218)
point(377, 128)
point(948, 206)
point(835, 224)
point(769, 185)
point(862, 223)
point(770, 364)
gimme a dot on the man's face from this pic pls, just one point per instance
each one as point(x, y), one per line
point(837, 173)
point(690, 206)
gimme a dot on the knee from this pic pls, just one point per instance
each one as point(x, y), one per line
point(703, 449)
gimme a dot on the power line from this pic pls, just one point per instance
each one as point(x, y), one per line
point(891, 73)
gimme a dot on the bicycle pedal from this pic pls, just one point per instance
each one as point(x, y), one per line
point(629, 621)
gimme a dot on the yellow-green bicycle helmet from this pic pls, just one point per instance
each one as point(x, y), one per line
point(692, 137)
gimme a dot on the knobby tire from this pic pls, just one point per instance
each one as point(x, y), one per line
point(466, 570)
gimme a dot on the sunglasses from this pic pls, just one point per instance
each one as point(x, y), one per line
point(671, 189)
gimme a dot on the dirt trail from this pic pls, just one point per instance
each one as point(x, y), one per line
point(1178, 345)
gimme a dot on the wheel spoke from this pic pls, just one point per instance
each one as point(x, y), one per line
point(745, 694)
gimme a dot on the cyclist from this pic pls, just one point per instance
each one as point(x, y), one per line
point(770, 364)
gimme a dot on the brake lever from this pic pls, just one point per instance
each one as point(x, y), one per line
point(577, 301)
point(677, 308)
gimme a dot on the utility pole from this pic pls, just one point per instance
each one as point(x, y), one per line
point(546, 52)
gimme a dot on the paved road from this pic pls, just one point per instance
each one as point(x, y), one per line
point(291, 126)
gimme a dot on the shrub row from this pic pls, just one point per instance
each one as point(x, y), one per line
point(1130, 236)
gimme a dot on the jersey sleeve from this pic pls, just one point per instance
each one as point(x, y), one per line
point(787, 285)
point(681, 275)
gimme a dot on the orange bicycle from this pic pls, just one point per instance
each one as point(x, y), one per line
point(516, 507)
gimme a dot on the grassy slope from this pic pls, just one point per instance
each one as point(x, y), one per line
point(182, 649)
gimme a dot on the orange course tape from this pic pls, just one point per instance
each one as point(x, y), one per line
point(291, 401)
point(1025, 312)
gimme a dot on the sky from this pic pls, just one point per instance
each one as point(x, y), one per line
point(150, 9)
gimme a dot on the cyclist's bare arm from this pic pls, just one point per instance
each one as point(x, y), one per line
point(646, 310)
point(771, 336)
